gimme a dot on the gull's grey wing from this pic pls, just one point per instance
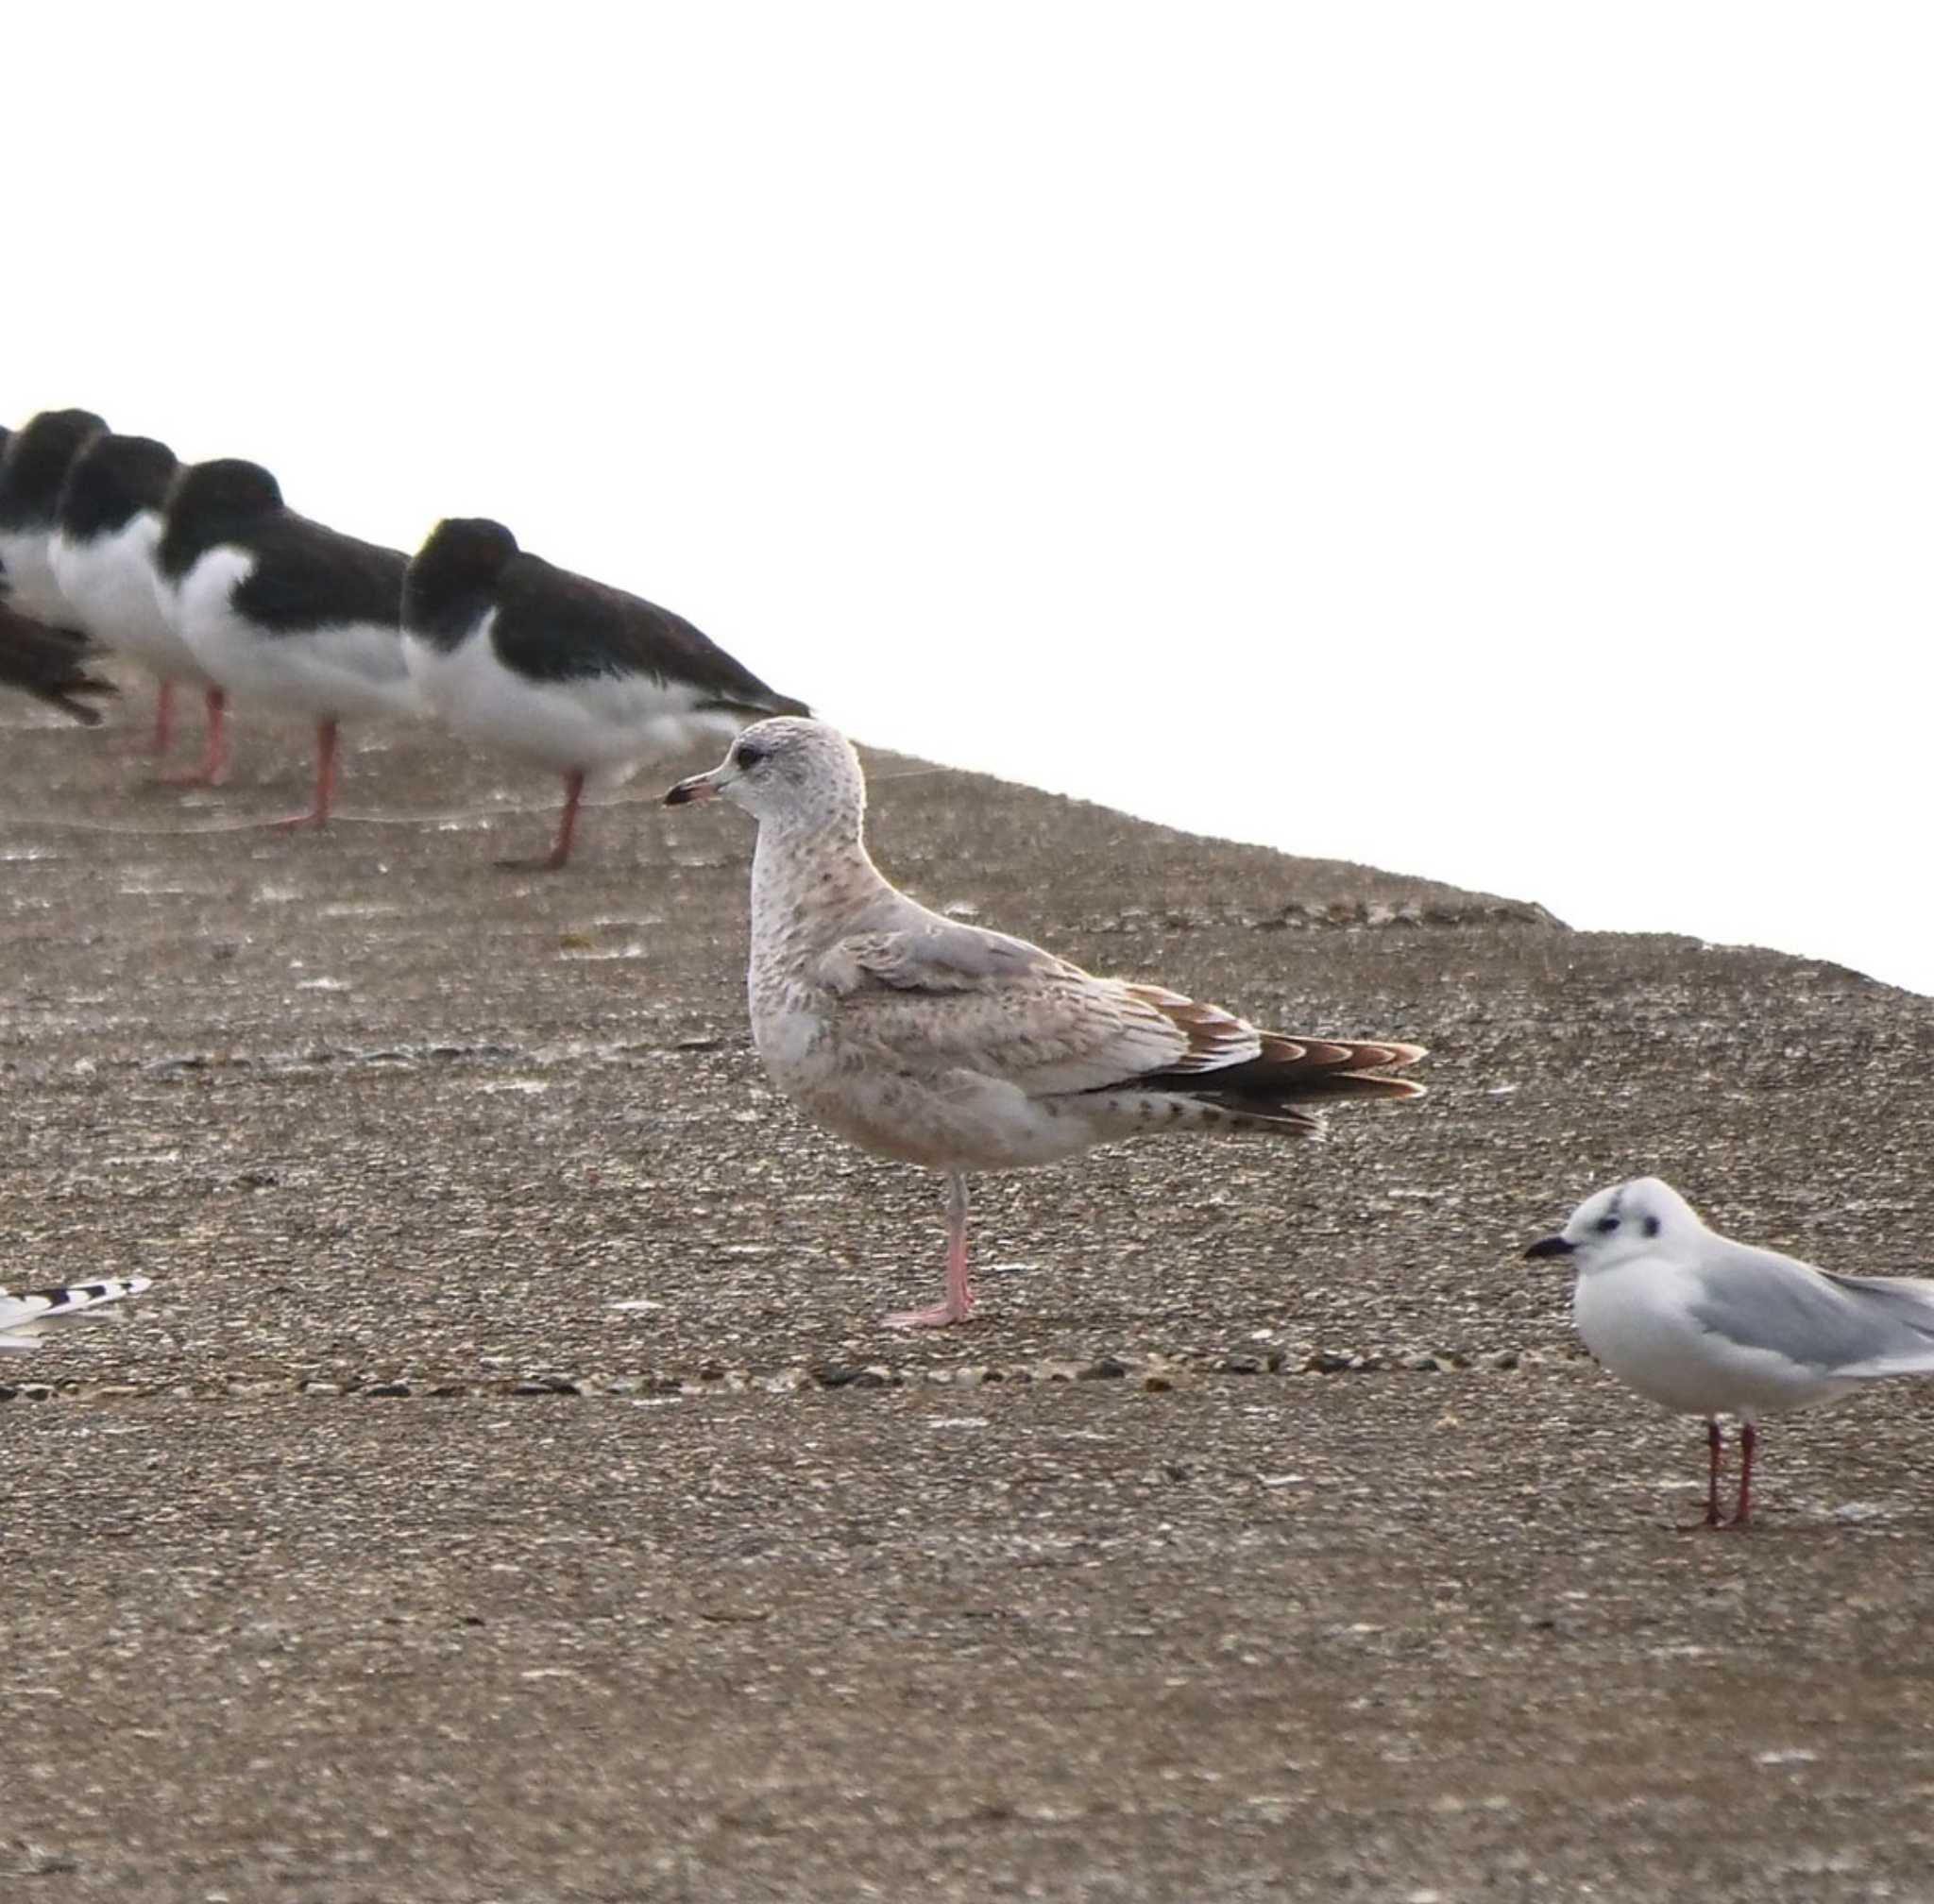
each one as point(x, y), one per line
point(1841, 1325)
point(1908, 1303)
point(938, 995)
point(936, 955)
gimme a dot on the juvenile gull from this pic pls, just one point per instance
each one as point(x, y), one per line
point(941, 1044)
point(280, 609)
point(1706, 1326)
point(103, 554)
point(25, 1318)
point(566, 673)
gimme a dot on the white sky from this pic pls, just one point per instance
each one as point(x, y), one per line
point(1491, 441)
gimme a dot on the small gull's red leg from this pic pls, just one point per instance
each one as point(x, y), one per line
point(1715, 1448)
point(1748, 1438)
point(959, 1305)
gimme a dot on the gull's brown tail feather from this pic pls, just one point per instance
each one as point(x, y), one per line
point(1289, 1070)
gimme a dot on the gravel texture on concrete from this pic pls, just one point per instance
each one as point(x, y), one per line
point(506, 1492)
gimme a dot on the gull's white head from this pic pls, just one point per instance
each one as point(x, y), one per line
point(787, 769)
point(1644, 1217)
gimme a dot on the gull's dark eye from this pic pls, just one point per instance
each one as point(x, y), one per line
point(1651, 1226)
point(749, 754)
point(1605, 1225)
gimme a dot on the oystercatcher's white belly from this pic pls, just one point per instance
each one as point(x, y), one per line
point(605, 726)
point(30, 586)
point(339, 671)
point(108, 583)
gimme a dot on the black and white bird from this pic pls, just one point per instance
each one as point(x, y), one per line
point(567, 673)
point(25, 1318)
point(51, 664)
point(33, 465)
point(1706, 1326)
point(107, 529)
point(281, 610)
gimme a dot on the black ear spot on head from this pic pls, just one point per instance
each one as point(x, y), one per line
point(1651, 1226)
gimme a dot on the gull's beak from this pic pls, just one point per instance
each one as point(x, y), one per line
point(700, 787)
point(1551, 1246)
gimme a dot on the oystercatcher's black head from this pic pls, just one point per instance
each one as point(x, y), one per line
point(209, 503)
point(36, 462)
point(469, 545)
point(450, 578)
point(227, 488)
point(111, 482)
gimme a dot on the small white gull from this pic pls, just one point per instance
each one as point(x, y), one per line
point(1706, 1326)
point(960, 1049)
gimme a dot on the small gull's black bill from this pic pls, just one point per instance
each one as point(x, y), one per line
point(700, 787)
point(1551, 1246)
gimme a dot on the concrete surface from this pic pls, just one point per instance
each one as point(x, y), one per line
point(507, 1494)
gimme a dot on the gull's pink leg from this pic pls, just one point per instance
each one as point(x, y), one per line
point(1748, 1435)
point(567, 830)
point(960, 1303)
point(213, 767)
point(325, 780)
